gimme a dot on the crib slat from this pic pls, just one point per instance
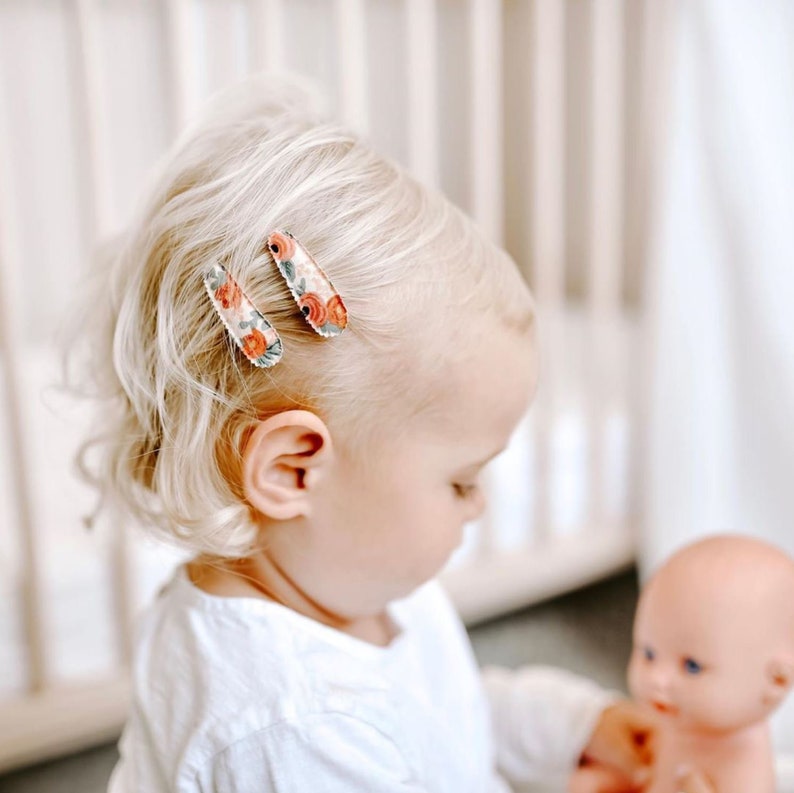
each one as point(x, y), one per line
point(266, 29)
point(547, 229)
point(219, 25)
point(98, 199)
point(422, 62)
point(485, 154)
point(652, 113)
point(547, 234)
point(121, 565)
point(606, 228)
point(183, 84)
point(351, 40)
point(485, 35)
point(606, 163)
point(11, 356)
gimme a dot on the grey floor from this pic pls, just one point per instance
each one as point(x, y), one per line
point(588, 632)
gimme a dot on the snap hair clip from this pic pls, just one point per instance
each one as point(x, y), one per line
point(252, 333)
point(320, 304)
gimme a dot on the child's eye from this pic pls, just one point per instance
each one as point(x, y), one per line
point(648, 653)
point(692, 667)
point(463, 491)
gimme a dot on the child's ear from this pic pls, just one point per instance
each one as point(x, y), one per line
point(779, 679)
point(281, 460)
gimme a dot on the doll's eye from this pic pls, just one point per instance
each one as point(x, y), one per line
point(648, 653)
point(692, 667)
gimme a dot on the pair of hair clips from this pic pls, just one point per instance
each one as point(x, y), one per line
point(318, 301)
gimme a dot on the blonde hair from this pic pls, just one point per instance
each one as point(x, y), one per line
point(179, 398)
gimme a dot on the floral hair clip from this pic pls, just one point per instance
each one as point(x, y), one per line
point(313, 291)
point(253, 334)
point(319, 302)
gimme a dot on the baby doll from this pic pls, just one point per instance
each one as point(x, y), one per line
point(713, 657)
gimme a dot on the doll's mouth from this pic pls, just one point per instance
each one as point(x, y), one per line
point(664, 707)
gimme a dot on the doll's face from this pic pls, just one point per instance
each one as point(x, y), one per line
point(704, 658)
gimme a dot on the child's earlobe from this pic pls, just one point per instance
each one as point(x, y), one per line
point(281, 459)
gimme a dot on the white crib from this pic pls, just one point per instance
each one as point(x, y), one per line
point(92, 94)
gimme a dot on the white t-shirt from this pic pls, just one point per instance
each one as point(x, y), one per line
point(243, 695)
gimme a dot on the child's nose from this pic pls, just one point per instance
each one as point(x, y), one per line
point(476, 505)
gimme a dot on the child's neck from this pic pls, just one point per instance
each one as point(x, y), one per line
point(260, 576)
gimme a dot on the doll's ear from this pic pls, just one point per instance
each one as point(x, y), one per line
point(779, 679)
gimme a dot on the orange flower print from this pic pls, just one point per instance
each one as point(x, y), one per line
point(281, 246)
point(228, 294)
point(255, 344)
point(313, 308)
point(337, 313)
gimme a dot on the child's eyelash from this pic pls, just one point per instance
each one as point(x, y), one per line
point(463, 491)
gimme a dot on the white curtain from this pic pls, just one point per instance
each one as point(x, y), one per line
point(720, 290)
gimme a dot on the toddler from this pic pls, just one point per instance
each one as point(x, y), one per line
point(307, 359)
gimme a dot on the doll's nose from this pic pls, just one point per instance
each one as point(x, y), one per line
point(660, 681)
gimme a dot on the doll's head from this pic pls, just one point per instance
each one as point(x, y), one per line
point(714, 635)
point(428, 379)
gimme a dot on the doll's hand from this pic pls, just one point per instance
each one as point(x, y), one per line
point(592, 777)
point(622, 743)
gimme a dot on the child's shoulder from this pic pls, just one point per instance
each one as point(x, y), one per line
point(246, 653)
point(215, 672)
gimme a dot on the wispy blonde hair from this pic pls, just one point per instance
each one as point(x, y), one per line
point(178, 398)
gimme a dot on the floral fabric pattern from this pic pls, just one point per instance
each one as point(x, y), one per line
point(319, 302)
point(252, 333)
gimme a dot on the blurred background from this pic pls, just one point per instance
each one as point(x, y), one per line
point(635, 157)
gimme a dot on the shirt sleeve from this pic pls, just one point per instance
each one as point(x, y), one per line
point(542, 718)
point(324, 753)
